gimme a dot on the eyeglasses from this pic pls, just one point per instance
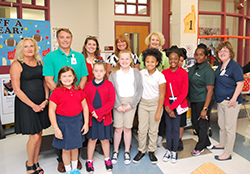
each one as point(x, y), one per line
point(223, 51)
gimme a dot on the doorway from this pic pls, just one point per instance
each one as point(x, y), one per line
point(136, 33)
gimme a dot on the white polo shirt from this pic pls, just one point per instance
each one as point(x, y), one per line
point(126, 83)
point(151, 83)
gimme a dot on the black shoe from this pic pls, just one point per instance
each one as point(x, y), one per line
point(180, 146)
point(152, 157)
point(138, 157)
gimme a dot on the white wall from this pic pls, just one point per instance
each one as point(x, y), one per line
point(80, 16)
point(96, 17)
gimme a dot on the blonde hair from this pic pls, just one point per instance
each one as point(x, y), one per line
point(19, 50)
point(122, 38)
point(158, 34)
point(118, 65)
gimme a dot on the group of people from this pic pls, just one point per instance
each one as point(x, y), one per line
point(84, 98)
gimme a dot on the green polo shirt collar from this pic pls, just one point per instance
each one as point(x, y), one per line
point(61, 52)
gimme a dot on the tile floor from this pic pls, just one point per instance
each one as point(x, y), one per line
point(13, 155)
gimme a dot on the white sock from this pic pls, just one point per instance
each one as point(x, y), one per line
point(67, 168)
point(74, 164)
point(89, 160)
point(106, 159)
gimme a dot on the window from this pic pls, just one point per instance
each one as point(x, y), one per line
point(226, 20)
point(25, 9)
point(132, 7)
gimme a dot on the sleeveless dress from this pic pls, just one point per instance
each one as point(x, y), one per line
point(31, 83)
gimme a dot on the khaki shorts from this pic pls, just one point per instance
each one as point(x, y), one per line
point(124, 119)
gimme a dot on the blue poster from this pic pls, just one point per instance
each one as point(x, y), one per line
point(13, 30)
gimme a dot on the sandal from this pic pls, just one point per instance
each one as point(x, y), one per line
point(31, 168)
point(39, 170)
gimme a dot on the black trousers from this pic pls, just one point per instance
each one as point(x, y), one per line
point(200, 125)
point(162, 126)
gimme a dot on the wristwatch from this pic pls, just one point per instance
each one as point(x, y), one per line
point(205, 109)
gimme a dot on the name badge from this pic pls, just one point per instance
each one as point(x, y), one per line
point(223, 72)
point(73, 60)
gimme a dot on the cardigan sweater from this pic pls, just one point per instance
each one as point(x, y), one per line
point(138, 89)
point(179, 82)
point(107, 94)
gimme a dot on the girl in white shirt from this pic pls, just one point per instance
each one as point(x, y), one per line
point(151, 104)
point(128, 87)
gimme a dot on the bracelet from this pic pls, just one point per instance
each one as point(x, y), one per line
point(47, 99)
point(56, 128)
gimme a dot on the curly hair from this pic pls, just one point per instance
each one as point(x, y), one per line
point(118, 65)
point(226, 44)
point(97, 51)
point(158, 34)
point(152, 52)
point(19, 50)
point(121, 37)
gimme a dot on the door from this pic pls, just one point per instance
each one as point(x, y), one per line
point(136, 32)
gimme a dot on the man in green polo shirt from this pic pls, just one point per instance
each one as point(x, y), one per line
point(54, 61)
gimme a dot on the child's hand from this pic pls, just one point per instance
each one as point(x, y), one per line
point(94, 114)
point(120, 109)
point(127, 107)
point(58, 134)
point(157, 116)
point(85, 128)
point(168, 110)
point(172, 115)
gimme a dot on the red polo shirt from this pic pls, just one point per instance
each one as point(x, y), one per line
point(179, 82)
point(68, 101)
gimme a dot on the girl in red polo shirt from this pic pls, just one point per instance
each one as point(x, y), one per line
point(100, 95)
point(176, 93)
point(67, 102)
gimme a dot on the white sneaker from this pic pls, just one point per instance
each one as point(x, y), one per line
point(127, 159)
point(210, 147)
point(114, 157)
point(167, 156)
point(159, 141)
point(174, 157)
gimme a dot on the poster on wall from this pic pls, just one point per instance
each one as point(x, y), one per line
point(190, 55)
point(6, 99)
point(13, 30)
